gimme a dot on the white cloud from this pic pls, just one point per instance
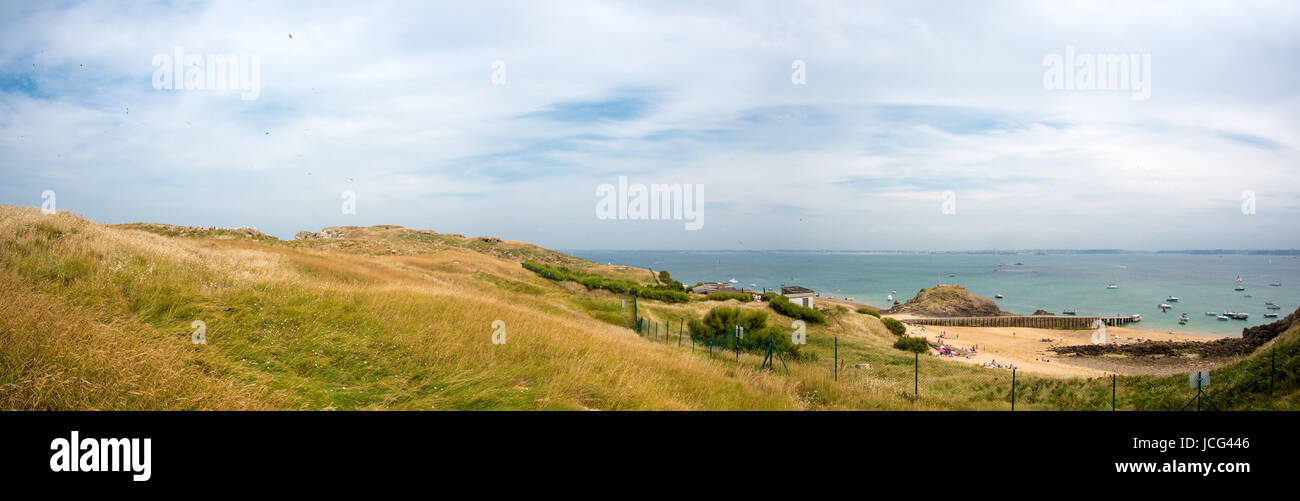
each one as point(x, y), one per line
point(903, 101)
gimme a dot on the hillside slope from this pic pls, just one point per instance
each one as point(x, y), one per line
point(96, 316)
point(99, 317)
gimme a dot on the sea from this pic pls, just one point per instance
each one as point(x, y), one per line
point(1029, 282)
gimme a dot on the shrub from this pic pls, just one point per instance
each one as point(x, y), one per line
point(894, 326)
point(666, 293)
point(869, 311)
point(912, 343)
point(783, 306)
point(719, 325)
point(743, 297)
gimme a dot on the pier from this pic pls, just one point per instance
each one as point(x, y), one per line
point(1029, 321)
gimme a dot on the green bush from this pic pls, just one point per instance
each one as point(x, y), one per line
point(894, 326)
point(743, 297)
point(911, 343)
point(719, 327)
point(869, 311)
point(666, 293)
point(783, 306)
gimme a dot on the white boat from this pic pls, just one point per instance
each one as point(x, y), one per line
point(1240, 316)
point(1171, 299)
point(1238, 288)
point(733, 281)
point(997, 296)
point(1270, 315)
point(1222, 317)
point(1210, 314)
point(1112, 286)
point(1068, 312)
point(1276, 284)
point(1135, 318)
point(1273, 307)
point(1165, 306)
point(1269, 302)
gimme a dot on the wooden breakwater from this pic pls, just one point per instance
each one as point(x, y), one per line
point(1028, 321)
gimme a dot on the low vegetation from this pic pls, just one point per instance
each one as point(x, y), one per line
point(783, 306)
point(617, 286)
point(869, 311)
point(719, 327)
point(912, 343)
point(894, 326)
point(743, 297)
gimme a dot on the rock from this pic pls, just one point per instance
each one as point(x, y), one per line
point(948, 301)
point(861, 366)
point(1042, 312)
point(325, 233)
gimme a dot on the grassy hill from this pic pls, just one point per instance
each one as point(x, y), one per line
point(97, 316)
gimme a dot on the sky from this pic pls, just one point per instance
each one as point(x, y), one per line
point(817, 125)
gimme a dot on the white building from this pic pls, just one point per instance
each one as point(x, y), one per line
point(802, 296)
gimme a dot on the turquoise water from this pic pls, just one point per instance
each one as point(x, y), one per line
point(1053, 282)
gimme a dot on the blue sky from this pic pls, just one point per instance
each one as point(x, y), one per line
point(902, 101)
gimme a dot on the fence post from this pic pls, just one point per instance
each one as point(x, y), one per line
point(837, 358)
point(916, 375)
point(1013, 390)
point(679, 331)
point(1112, 393)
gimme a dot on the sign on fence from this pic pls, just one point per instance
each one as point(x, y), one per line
point(1198, 379)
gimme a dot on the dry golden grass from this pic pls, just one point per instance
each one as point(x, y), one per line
point(98, 317)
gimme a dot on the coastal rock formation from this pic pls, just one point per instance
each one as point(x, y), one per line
point(171, 230)
point(1251, 338)
point(947, 300)
point(1041, 312)
point(325, 233)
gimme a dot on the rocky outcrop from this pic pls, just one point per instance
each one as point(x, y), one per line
point(325, 233)
point(948, 301)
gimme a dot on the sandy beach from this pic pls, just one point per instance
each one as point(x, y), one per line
point(1030, 350)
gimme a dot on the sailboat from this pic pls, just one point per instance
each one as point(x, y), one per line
point(1239, 286)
